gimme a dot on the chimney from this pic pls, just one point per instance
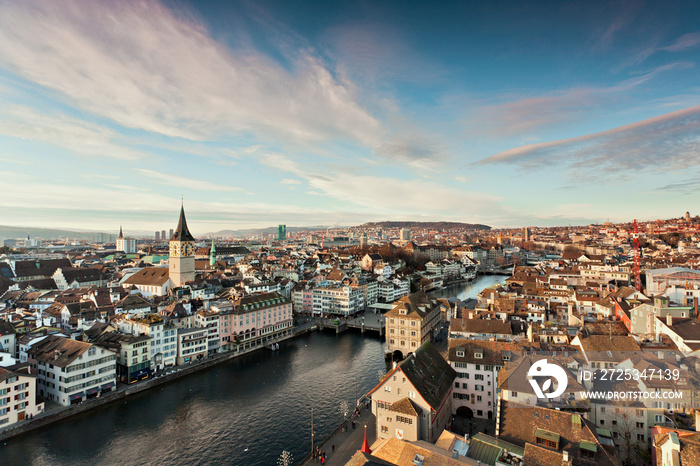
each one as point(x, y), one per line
point(565, 458)
point(669, 319)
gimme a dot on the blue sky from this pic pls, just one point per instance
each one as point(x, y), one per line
point(338, 113)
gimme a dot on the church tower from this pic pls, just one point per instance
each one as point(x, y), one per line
point(181, 253)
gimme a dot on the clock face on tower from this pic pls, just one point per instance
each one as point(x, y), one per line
point(187, 249)
point(174, 249)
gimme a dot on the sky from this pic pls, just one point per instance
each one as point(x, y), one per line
point(338, 113)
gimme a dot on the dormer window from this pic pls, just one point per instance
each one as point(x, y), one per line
point(478, 355)
point(547, 439)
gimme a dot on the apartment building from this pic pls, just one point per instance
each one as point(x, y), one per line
point(17, 397)
point(70, 371)
point(411, 322)
point(337, 301)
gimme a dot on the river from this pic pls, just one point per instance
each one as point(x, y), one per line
point(469, 289)
point(242, 412)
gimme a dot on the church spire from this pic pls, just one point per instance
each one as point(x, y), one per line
point(182, 233)
point(212, 254)
point(121, 232)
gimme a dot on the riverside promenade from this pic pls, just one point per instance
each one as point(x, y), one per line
point(347, 441)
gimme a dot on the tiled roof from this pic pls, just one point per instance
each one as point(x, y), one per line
point(58, 351)
point(482, 326)
point(429, 373)
point(406, 406)
point(149, 276)
point(519, 422)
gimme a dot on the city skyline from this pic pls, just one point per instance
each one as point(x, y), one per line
point(260, 113)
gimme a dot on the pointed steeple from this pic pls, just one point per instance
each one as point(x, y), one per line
point(182, 233)
point(365, 445)
point(212, 254)
point(121, 232)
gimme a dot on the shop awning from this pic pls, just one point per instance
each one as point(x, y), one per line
point(92, 391)
point(108, 386)
point(76, 396)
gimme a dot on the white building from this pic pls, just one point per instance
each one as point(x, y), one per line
point(191, 344)
point(342, 301)
point(209, 320)
point(70, 371)
point(8, 338)
point(163, 337)
point(477, 364)
point(17, 397)
point(126, 245)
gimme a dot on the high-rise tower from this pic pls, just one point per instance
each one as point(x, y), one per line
point(181, 252)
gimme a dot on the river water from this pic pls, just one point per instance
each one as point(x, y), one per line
point(242, 412)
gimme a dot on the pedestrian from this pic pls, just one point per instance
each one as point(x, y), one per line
point(333, 448)
point(323, 460)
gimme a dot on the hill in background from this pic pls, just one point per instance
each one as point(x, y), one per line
point(442, 226)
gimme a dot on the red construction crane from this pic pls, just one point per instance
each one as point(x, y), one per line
point(635, 243)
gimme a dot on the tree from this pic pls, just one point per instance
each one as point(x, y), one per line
point(285, 459)
point(626, 425)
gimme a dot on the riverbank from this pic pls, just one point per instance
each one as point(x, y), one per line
point(54, 415)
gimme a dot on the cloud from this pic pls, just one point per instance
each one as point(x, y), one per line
point(416, 152)
point(684, 42)
point(386, 194)
point(665, 142)
point(526, 115)
point(290, 181)
point(687, 186)
point(187, 183)
point(78, 136)
point(145, 67)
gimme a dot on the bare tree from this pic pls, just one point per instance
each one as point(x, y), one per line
point(285, 459)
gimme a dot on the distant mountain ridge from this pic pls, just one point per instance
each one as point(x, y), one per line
point(8, 232)
point(427, 225)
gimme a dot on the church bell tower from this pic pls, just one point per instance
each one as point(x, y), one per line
point(181, 253)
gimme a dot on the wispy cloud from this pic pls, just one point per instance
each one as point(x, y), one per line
point(190, 183)
point(78, 136)
point(145, 67)
point(389, 194)
point(687, 186)
point(683, 43)
point(523, 116)
point(665, 142)
point(290, 181)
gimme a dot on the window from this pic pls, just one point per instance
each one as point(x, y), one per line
point(514, 394)
point(546, 443)
point(640, 437)
point(385, 429)
point(387, 388)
